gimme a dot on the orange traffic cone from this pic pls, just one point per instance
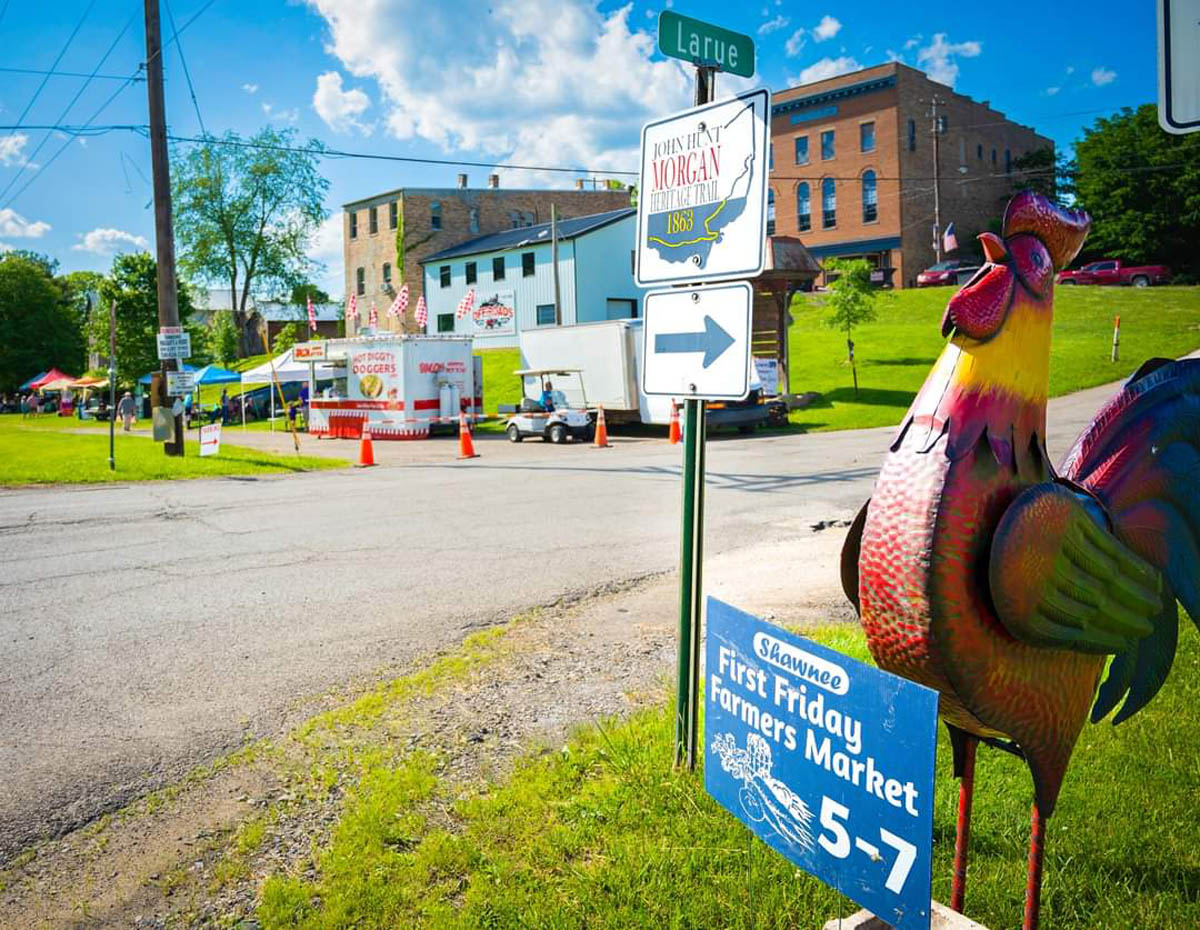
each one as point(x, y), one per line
point(674, 433)
point(601, 431)
point(366, 451)
point(466, 448)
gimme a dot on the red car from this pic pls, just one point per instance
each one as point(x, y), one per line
point(1114, 271)
point(955, 271)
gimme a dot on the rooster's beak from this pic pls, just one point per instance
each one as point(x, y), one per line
point(993, 247)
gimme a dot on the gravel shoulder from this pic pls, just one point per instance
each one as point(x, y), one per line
point(195, 853)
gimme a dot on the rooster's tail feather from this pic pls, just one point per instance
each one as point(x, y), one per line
point(1141, 458)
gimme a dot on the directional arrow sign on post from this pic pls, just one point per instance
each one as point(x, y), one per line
point(712, 341)
point(697, 342)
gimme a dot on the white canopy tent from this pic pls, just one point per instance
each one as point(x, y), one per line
point(285, 369)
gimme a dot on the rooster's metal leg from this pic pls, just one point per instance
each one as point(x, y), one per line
point(1033, 883)
point(962, 839)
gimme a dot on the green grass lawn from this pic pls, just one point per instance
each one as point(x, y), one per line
point(42, 452)
point(603, 834)
point(896, 352)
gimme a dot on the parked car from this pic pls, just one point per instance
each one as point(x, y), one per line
point(1114, 271)
point(955, 271)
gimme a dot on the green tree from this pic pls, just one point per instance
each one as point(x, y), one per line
point(223, 337)
point(1142, 187)
point(851, 299)
point(302, 292)
point(245, 211)
point(285, 338)
point(133, 284)
point(39, 329)
point(1039, 171)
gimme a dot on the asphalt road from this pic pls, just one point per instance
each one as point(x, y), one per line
point(146, 628)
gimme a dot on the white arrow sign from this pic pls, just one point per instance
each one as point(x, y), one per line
point(697, 342)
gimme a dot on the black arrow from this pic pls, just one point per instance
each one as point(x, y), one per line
point(712, 342)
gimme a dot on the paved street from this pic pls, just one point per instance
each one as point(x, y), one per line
point(146, 628)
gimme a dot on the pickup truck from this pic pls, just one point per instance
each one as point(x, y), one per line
point(1115, 271)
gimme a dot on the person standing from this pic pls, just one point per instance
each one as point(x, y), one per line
point(224, 406)
point(127, 410)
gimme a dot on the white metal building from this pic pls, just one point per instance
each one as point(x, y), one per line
point(511, 275)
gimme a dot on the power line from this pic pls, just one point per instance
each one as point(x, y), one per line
point(186, 73)
point(62, 51)
point(74, 74)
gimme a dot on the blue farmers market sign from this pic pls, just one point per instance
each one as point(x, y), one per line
point(828, 760)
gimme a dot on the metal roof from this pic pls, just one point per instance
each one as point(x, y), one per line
point(530, 235)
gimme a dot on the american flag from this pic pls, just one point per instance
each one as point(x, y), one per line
point(949, 239)
point(352, 308)
point(400, 304)
point(422, 312)
point(466, 304)
point(373, 319)
point(312, 316)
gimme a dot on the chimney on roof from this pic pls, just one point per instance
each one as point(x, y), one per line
point(493, 181)
point(462, 181)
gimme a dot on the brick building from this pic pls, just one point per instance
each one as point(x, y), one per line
point(434, 219)
point(853, 167)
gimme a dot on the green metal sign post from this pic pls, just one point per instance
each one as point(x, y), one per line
point(705, 45)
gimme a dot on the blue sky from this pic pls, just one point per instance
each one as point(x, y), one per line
point(545, 82)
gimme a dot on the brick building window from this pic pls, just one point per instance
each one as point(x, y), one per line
point(471, 273)
point(828, 203)
point(498, 268)
point(869, 200)
point(1007, 161)
point(444, 275)
point(393, 214)
point(770, 212)
point(866, 137)
point(545, 314)
point(771, 157)
point(435, 215)
point(527, 264)
point(993, 157)
point(353, 224)
point(445, 322)
point(801, 150)
point(912, 135)
point(474, 219)
point(979, 151)
point(828, 145)
point(373, 220)
point(360, 281)
point(803, 207)
point(387, 273)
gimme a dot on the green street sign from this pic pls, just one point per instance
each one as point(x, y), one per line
point(705, 44)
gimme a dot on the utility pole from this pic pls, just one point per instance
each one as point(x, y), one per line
point(164, 232)
point(112, 385)
point(937, 198)
point(554, 263)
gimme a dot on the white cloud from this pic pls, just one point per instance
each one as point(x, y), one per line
point(250, 88)
point(103, 241)
point(5, 247)
point(893, 55)
point(1051, 91)
point(280, 116)
point(910, 44)
point(13, 224)
point(938, 58)
point(1070, 69)
point(779, 22)
point(795, 43)
point(340, 109)
point(1102, 76)
point(537, 81)
point(827, 68)
point(11, 148)
point(827, 28)
point(325, 248)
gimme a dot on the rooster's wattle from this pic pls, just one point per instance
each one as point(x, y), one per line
point(981, 571)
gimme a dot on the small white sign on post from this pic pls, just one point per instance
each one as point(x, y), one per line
point(309, 351)
point(173, 342)
point(210, 439)
point(702, 200)
point(180, 383)
point(1179, 65)
point(697, 342)
point(768, 374)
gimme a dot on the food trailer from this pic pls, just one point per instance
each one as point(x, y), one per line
point(398, 387)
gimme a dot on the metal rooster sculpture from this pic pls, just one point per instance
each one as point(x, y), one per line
point(980, 571)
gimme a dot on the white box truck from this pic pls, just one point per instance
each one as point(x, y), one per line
point(609, 357)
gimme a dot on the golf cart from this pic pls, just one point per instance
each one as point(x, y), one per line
point(549, 415)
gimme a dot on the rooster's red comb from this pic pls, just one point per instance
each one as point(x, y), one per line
point(1062, 231)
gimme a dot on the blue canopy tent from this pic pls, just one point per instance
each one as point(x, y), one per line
point(213, 374)
point(28, 384)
